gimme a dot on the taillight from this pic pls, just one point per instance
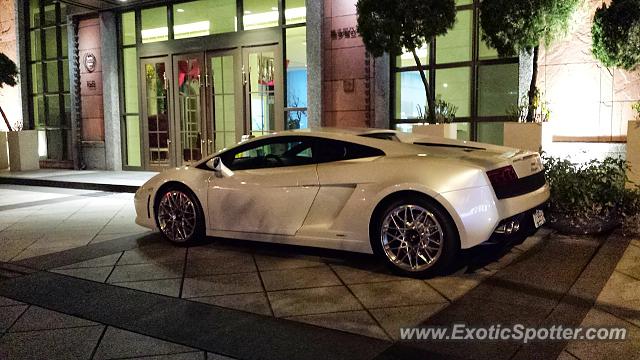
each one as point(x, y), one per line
point(503, 176)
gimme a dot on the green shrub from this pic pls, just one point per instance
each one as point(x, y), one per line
point(616, 34)
point(590, 197)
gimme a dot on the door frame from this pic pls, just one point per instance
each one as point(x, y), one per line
point(146, 161)
point(238, 101)
point(177, 120)
point(278, 79)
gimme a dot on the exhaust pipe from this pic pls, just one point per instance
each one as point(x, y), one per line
point(508, 228)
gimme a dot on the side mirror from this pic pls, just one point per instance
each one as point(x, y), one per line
point(215, 164)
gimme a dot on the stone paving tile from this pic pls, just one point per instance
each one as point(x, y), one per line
point(140, 272)
point(211, 356)
point(621, 296)
point(182, 356)
point(312, 301)
point(369, 274)
point(357, 322)
point(454, 286)
point(29, 253)
point(566, 356)
point(117, 343)
point(267, 262)
point(9, 314)
point(627, 349)
point(108, 237)
point(109, 260)
point(299, 278)
point(37, 318)
point(153, 255)
point(99, 274)
point(630, 262)
point(221, 285)
point(254, 302)
point(504, 261)
point(63, 344)
point(392, 319)
point(396, 293)
point(207, 261)
point(168, 287)
point(8, 302)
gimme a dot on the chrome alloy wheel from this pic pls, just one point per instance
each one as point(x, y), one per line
point(412, 238)
point(177, 216)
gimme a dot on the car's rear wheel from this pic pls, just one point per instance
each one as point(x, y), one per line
point(415, 237)
point(179, 216)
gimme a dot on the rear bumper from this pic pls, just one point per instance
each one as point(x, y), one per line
point(526, 228)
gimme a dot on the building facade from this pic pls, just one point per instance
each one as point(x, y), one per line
point(146, 85)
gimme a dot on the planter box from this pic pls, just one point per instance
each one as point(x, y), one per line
point(633, 151)
point(23, 150)
point(4, 151)
point(449, 131)
point(526, 136)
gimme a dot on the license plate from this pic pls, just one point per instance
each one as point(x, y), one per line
point(538, 218)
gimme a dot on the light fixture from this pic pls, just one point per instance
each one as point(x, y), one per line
point(445, 85)
point(180, 10)
point(247, 12)
point(274, 8)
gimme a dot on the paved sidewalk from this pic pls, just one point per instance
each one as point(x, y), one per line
point(114, 181)
point(79, 268)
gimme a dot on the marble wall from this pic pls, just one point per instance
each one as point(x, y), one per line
point(92, 114)
point(348, 71)
point(9, 97)
point(587, 100)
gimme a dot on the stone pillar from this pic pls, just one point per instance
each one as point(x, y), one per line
point(111, 90)
point(314, 62)
point(382, 91)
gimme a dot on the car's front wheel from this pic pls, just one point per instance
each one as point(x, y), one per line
point(179, 216)
point(415, 237)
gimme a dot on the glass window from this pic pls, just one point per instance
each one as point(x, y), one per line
point(51, 43)
point(34, 13)
point(38, 110)
point(37, 85)
point(282, 152)
point(295, 12)
point(204, 17)
point(129, 28)
point(407, 59)
point(130, 66)
point(455, 46)
point(491, 133)
point(485, 52)
point(410, 95)
point(296, 63)
point(334, 150)
point(63, 42)
point(49, 13)
point(132, 132)
point(454, 86)
point(260, 14)
point(463, 2)
point(154, 25)
point(497, 89)
point(36, 47)
point(53, 110)
point(51, 70)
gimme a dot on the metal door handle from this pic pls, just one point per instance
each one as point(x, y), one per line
point(168, 142)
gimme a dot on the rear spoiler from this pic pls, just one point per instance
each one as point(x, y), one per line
point(450, 146)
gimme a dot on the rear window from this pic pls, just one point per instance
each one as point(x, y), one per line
point(334, 150)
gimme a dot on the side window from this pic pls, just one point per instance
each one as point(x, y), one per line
point(334, 150)
point(269, 154)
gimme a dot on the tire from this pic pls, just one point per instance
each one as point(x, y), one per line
point(179, 216)
point(423, 246)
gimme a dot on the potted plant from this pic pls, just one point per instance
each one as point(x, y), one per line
point(441, 125)
point(528, 130)
point(22, 145)
point(592, 197)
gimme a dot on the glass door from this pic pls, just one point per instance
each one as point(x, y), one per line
point(157, 127)
point(262, 80)
point(189, 75)
point(224, 108)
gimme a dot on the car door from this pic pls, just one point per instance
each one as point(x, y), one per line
point(269, 189)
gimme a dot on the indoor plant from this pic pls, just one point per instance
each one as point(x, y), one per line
point(23, 145)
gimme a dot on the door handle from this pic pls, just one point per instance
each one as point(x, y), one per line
point(169, 142)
